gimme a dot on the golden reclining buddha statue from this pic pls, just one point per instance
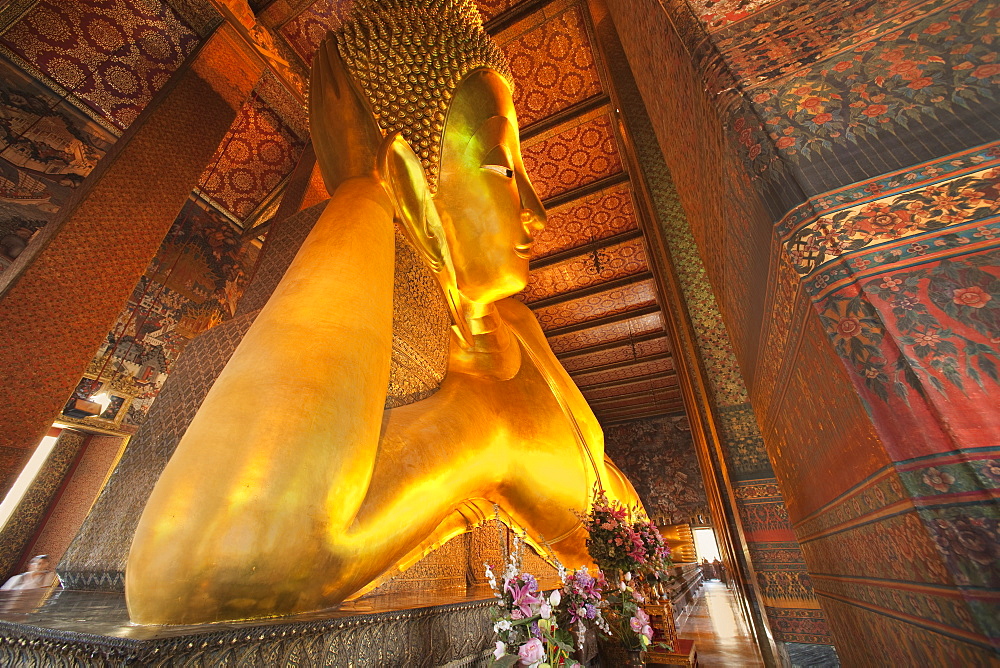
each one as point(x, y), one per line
point(294, 489)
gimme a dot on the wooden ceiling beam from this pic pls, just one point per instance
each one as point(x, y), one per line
point(668, 390)
point(617, 419)
point(585, 190)
point(611, 345)
point(506, 19)
point(655, 357)
point(594, 289)
point(566, 116)
point(600, 322)
point(586, 248)
point(664, 375)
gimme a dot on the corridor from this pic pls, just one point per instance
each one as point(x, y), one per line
point(718, 630)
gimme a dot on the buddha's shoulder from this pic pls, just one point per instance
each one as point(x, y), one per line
point(522, 320)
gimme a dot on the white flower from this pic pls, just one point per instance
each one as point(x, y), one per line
point(545, 610)
point(500, 650)
point(502, 625)
point(622, 585)
point(628, 576)
point(555, 598)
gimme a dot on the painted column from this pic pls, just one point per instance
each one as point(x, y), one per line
point(56, 312)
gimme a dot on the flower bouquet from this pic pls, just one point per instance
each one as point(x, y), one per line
point(527, 622)
point(612, 541)
point(581, 603)
point(628, 622)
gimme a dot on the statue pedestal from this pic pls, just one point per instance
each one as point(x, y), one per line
point(92, 628)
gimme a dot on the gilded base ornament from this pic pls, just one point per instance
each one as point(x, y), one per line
point(292, 489)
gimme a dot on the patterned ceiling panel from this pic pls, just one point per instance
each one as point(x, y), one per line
point(595, 217)
point(640, 369)
point(618, 331)
point(622, 353)
point(553, 66)
point(306, 31)
point(575, 157)
point(605, 264)
point(646, 385)
point(258, 152)
point(591, 307)
point(113, 55)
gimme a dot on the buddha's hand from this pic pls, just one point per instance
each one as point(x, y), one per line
point(344, 132)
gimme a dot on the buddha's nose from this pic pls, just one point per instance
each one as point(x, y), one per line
point(532, 212)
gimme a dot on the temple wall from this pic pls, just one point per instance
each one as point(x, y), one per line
point(840, 209)
point(769, 551)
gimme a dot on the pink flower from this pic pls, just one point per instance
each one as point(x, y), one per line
point(531, 652)
point(523, 598)
point(647, 631)
point(500, 650)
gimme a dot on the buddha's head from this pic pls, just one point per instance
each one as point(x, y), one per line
point(439, 89)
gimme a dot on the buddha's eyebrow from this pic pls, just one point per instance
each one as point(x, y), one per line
point(497, 123)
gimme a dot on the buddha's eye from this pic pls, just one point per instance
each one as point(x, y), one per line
point(498, 160)
point(500, 169)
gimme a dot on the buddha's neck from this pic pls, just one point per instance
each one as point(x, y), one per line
point(491, 351)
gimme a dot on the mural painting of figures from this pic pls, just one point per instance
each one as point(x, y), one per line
point(658, 455)
point(192, 284)
point(47, 148)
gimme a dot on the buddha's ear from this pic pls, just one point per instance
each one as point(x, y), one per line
point(404, 179)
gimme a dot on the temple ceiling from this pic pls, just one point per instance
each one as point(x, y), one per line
point(590, 284)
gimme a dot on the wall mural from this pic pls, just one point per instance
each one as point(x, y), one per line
point(192, 284)
point(658, 457)
point(47, 148)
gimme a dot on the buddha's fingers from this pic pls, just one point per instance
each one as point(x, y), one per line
point(344, 131)
point(278, 459)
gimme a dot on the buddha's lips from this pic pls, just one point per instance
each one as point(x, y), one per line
point(523, 252)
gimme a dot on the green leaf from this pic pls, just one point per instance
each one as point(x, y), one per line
point(505, 661)
point(951, 374)
point(937, 384)
point(901, 391)
point(987, 365)
point(974, 375)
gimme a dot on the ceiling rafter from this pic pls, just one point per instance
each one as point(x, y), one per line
point(566, 116)
point(656, 357)
point(585, 190)
point(629, 418)
point(600, 322)
point(635, 395)
point(506, 19)
point(657, 375)
point(594, 289)
point(611, 345)
point(586, 248)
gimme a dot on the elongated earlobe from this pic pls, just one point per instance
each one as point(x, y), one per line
point(403, 177)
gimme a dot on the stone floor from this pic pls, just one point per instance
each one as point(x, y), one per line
point(719, 632)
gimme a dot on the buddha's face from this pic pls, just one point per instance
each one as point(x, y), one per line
point(487, 205)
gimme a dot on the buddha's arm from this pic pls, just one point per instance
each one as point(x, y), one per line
point(275, 465)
